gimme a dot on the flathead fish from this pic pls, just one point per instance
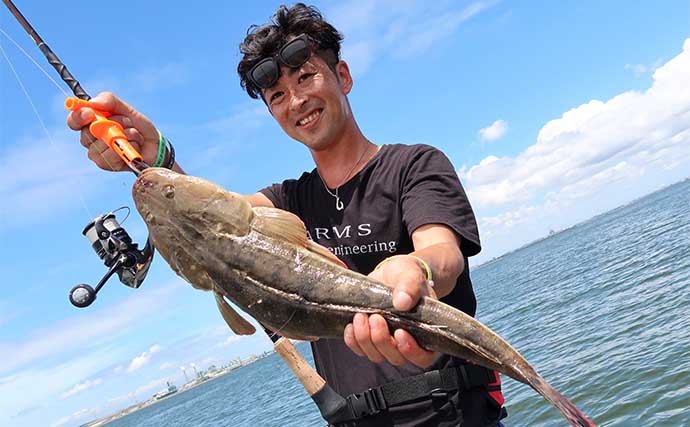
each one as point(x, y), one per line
point(261, 260)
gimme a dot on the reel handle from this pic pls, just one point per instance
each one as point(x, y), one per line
point(83, 295)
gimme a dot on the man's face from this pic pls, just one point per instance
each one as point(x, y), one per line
point(310, 102)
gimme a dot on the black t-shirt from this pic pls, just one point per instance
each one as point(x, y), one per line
point(400, 189)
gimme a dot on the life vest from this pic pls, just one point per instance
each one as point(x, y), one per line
point(494, 389)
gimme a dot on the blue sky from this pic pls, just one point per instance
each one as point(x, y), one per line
point(552, 112)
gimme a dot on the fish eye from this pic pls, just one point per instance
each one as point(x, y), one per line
point(169, 191)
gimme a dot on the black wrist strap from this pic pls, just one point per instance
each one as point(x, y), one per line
point(171, 155)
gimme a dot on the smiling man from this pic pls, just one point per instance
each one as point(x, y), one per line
point(395, 212)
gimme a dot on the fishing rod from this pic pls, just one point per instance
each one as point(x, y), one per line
point(115, 247)
point(108, 238)
point(109, 131)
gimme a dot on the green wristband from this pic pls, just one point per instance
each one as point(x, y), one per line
point(161, 151)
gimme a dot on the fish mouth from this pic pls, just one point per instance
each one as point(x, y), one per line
point(153, 181)
point(152, 190)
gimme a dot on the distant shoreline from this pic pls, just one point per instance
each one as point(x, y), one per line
point(557, 232)
point(184, 388)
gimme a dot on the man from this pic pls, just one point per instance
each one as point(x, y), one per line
point(396, 212)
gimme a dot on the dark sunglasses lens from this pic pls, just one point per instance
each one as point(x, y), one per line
point(295, 53)
point(265, 73)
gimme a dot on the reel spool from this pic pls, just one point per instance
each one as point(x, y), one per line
point(115, 247)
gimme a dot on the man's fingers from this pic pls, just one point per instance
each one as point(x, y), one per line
point(406, 295)
point(125, 121)
point(409, 348)
point(351, 341)
point(104, 157)
point(85, 138)
point(78, 119)
point(134, 135)
point(431, 292)
point(384, 342)
point(107, 101)
point(363, 337)
point(95, 153)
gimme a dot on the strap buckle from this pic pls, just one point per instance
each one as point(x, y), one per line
point(439, 397)
point(369, 402)
point(439, 388)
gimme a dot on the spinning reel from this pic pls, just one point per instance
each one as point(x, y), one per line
point(117, 250)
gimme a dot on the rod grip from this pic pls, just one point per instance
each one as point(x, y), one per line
point(108, 131)
point(307, 375)
point(65, 75)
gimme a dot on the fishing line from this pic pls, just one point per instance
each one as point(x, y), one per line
point(33, 106)
point(277, 332)
point(35, 63)
point(40, 120)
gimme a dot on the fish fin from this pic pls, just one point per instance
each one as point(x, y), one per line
point(237, 323)
point(325, 253)
point(569, 411)
point(286, 225)
point(280, 224)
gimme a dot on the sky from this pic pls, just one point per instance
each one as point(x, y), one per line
point(551, 112)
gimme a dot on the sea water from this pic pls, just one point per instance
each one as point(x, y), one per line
point(602, 310)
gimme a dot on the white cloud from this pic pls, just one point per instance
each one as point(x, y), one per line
point(151, 385)
point(21, 390)
point(591, 138)
point(165, 366)
point(44, 187)
point(232, 339)
point(60, 339)
point(61, 422)
point(360, 55)
point(160, 76)
point(143, 359)
point(506, 220)
point(419, 24)
point(78, 415)
point(635, 137)
point(638, 69)
point(78, 388)
point(422, 35)
point(493, 132)
point(129, 397)
point(208, 361)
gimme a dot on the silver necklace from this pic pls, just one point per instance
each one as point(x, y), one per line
point(339, 205)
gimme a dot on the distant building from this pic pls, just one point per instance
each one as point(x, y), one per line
point(171, 389)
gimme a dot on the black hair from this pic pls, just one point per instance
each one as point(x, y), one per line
point(263, 41)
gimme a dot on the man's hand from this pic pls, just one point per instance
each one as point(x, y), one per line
point(139, 130)
point(369, 335)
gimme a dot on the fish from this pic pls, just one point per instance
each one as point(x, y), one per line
point(261, 260)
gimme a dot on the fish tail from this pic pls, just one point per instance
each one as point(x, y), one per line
point(571, 413)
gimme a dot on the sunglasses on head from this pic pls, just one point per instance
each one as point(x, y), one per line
point(293, 54)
